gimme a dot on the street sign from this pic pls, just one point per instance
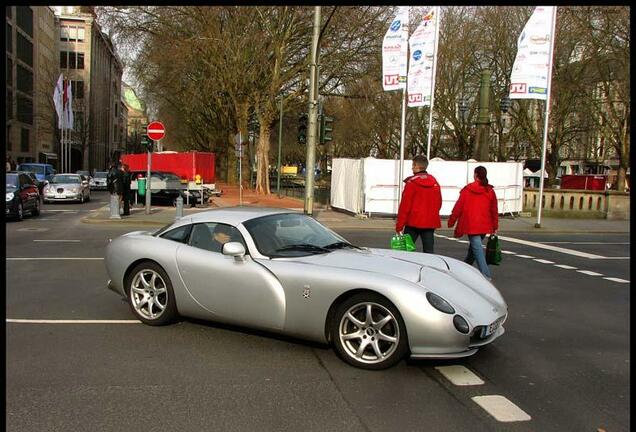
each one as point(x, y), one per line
point(156, 131)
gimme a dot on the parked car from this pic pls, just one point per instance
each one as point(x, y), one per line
point(86, 174)
point(286, 273)
point(42, 171)
point(40, 184)
point(22, 196)
point(67, 187)
point(98, 181)
point(168, 195)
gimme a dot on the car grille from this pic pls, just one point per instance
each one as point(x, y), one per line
point(60, 190)
point(478, 332)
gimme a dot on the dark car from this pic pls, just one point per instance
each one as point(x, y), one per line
point(163, 196)
point(39, 183)
point(22, 196)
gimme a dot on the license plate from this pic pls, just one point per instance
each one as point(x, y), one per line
point(59, 196)
point(491, 328)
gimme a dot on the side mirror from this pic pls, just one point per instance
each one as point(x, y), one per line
point(234, 249)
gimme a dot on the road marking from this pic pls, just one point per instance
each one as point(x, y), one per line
point(459, 375)
point(49, 258)
point(567, 267)
point(613, 279)
point(544, 261)
point(33, 229)
point(552, 248)
point(44, 321)
point(508, 252)
point(72, 241)
point(463, 241)
point(590, 273)
point(616, 258)
point(68, 211)
point(501, 408)
point(525, 256)
point(590, 243)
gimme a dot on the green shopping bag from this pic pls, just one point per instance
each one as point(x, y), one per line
point(493, 250)
point(402, 242)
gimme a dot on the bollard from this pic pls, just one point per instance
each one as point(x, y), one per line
point(114, 206)
point(179, 202)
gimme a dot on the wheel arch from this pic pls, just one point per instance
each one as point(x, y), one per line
point(135, 264)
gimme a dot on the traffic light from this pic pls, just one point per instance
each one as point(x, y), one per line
point(325, 128)
point(302, 128)
point(146, 143)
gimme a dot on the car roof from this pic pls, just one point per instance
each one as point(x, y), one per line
point(235, 215)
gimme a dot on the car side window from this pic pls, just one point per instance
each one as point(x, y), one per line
point(178, 234)
point(212, 236)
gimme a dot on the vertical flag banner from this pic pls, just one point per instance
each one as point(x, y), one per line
point(68, 105)
point(395, 51)
point(57, 99)
point(530, 71)
point(422, 48)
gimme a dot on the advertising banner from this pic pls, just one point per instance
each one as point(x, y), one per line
point(421, 64)
point(395, 51)
point(530, 70)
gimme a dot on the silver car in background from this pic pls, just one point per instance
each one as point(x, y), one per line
point(67, 187)
point(98, 180)
point(284, 272)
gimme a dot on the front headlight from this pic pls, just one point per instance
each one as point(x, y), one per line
point(74, 189)
point(439, 303)
point(10, 196)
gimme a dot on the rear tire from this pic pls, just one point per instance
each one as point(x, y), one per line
point(368, 332)
point(36, 210)
point(150, 294)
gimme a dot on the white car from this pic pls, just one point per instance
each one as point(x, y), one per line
point(98, 181)
point(67, 187)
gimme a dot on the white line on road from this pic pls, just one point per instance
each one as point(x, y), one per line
point(567, 267)
point(459, 375)
point(544, 261)
point(589, 243)
point(67, 211)
point(44, 321)
point(552, 248)
point(589, 273)
point(508, 252)
point(525, 256)
point(613, 279)
point(72, 241)
point(50, 258)
point(501, 408)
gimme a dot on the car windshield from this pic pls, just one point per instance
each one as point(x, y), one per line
point(84, 173)
point(59, 179)
point(101, 174)
point(292, 235)
point(12, 181)
point(171, 176)
point(38, 169)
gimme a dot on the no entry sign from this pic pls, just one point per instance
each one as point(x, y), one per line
point(156, 131)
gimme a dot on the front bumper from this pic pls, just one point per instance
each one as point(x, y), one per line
point(472, 348)
point(11, 208)
point(66, 197)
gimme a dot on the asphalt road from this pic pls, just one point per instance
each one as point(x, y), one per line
point(564, 359)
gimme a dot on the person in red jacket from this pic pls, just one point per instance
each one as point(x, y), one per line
point(477, 215)
point(418, 214)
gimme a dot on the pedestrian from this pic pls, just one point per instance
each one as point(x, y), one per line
point(126, 195)
point(418, 214)
point(8, 163)
point(476, 214)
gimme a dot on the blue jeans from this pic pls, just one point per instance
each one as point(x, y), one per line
point(476, 252)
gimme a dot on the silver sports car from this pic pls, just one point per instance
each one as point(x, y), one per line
point(284, 272)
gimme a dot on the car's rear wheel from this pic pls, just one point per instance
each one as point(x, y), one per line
point(36, 209)
point(150, 294)
point(368, 332)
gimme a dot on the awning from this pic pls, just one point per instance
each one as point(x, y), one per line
point(49, 155)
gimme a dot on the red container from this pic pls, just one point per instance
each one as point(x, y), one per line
point(185, 164)
point(584, 182)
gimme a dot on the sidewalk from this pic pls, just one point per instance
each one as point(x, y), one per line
point(161, 216)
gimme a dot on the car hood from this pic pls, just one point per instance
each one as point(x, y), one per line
point(11, 189)
point(404, 265)
point(65, 185)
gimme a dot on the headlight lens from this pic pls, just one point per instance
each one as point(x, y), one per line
point(10, 196)
point(439, 303)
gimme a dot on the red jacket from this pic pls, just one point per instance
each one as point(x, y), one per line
point(476, 210)
point(420, 204)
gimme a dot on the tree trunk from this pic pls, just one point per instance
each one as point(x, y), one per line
point(262, 159)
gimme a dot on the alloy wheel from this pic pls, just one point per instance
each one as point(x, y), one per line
point(148, 294)
point(20, 211)
point(369, 333)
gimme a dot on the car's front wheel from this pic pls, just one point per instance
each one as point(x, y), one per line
point(368, 332)
point(36, 209)
point(150, 294)
point(20, 214)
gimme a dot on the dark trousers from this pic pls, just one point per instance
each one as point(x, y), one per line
point(126, 198)
point(425, 233)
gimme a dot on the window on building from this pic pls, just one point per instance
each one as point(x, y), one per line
point(78, 120)
point(24, 80)
point(63, 60)
point(80, 60)
point(9, 38)
point(25, 109)
point(9, 72)
point(72, 62)
point(24, 50)
point(9, 140)
point(80, 34)
point(24, 18)
point(77, 88)
point(9, 104)
point(64, 30)
point(24, 140)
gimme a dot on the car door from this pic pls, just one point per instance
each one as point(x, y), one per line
point(234, 291)
point(28, 192)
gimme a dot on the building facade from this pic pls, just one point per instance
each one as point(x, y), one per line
point(31, 62)
point(137, 120)
point(87, 58)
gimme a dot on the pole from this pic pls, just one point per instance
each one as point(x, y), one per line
point(280, 139)
point(402, 133)
point(483, 120)
point(313, 114)
point(148, 190)
point(430, 116)
point(546, 120)
point(240, 158)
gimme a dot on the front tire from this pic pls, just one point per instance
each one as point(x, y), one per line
point(150, 294)
point(368, 332)
point(20, 215)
